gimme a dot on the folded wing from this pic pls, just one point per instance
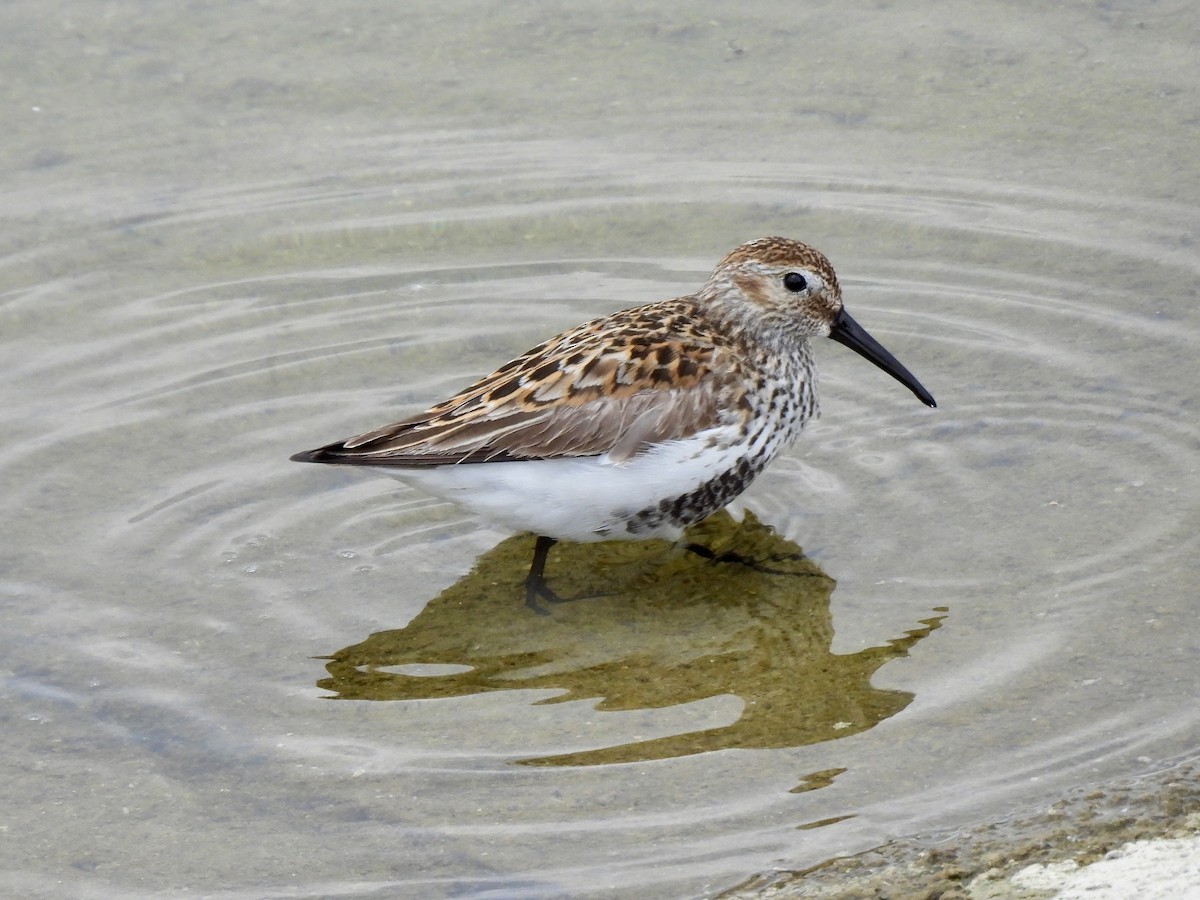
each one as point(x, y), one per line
point(581, 394)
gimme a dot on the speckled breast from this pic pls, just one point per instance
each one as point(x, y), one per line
point(689, 508)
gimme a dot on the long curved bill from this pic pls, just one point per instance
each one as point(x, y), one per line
point(846, 331)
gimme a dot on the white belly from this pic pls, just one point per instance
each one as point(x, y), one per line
point(585, 499)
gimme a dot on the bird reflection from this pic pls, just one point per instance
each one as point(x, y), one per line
point(654, 627)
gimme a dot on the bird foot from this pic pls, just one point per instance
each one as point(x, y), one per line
point(730, 556)
point(536, 589)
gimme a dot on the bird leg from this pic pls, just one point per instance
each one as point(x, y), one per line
point(728, 556)
point(731, 556)
point(535, 583)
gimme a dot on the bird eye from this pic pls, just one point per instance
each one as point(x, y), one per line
point(795, 282)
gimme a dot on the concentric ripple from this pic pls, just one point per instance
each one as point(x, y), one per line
point(1044, 515)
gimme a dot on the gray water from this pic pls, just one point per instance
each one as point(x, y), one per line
point(235, 231)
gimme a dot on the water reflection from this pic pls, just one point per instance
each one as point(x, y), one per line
point(658, 627)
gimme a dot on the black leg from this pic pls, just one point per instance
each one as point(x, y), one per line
point(535, 584)
point(729, 556)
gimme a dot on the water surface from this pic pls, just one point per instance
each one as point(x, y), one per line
point(238, 232)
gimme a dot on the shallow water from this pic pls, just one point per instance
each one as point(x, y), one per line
point(242, 232)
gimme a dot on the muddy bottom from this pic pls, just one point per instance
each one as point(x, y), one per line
point(991, 861)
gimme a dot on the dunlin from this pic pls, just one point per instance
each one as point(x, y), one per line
point(639, 423)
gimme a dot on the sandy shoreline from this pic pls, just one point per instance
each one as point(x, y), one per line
point(1130, 839)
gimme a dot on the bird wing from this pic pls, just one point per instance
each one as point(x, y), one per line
point(581, 394)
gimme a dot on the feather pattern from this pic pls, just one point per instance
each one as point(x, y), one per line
point(597, 389)
point(638, 423)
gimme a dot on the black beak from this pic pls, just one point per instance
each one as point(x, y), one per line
point(846, 331)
